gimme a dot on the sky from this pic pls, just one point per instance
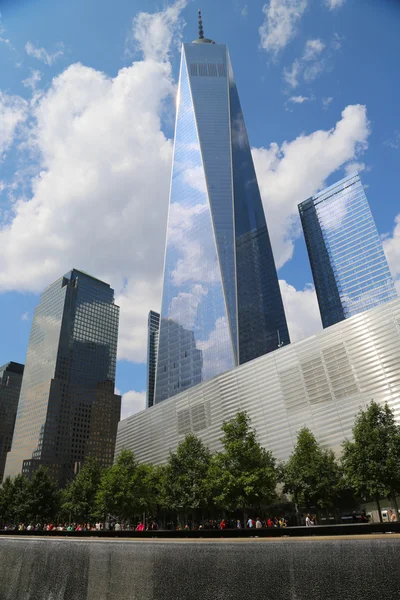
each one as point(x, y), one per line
point(87, 107)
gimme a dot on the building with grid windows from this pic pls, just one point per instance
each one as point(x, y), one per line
point(10, 387)
point(348, 263)
point(221, 303)
point(68, 409)
point(153, 328)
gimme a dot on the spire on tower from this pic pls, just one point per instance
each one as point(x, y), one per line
point(201, 32)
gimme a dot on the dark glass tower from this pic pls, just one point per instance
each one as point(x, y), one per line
point(153, 328)
point(220, 281)
point(10, 387)
point(68, 409)
point(349, 266)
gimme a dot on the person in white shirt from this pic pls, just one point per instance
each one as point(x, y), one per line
point(258, 524)
point(309, 523)
point(250, 523)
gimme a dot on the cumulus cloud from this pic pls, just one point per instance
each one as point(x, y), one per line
point(391, 246)
point(13, 112)
point(353, 167)
point(293, 172)
point(316, 59)
point(154, 33)
point(280, 22)
point(302, 311)
point(132, 402)
point(41, 54)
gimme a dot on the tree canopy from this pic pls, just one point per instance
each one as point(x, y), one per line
point(371, 461)
point(243, 476)
point(311, 475)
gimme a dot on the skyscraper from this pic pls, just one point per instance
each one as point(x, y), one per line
point(153, 328)
point(349, 266)
point(10, 387)
point(220, 281)
point(68, 409)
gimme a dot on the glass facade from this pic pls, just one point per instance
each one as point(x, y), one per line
point(349, 266)
point(153, 328)
point(10, 387)
point(221, 301)
point(68, 409)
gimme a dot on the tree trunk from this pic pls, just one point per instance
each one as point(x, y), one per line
point(378, 505)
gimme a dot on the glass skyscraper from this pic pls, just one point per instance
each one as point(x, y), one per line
point(221, 303)
point(68, 409)
point(153, 328)
point(349, 266)
point(10, 387)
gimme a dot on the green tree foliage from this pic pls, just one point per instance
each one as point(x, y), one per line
point(124, 490)
point(43, 497)
point(14, 499)
point(243, 476)
point(79, 497)
point(371, 462)
point(186, 475)
point(311, 475)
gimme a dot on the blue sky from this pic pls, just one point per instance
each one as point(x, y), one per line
point(86, 122)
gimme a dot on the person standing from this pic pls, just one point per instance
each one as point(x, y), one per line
point(258, 523)
point(250, 523)
point(309, 523)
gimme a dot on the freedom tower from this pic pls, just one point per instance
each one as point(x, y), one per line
point(221, 303)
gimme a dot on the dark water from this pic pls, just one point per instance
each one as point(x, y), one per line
point(34, 569)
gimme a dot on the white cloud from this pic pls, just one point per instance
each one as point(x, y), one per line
point(245, 11)
point(13, 112)
point(391, 246)
point(313, 49)
point(280, 20)
point(332, 4)
point(33, 80)
point(289, 174)
point(352, 167)
point(100, 194)
point(25, 316)
point(395, 141)
point(292, 76)
point(155, 33)
point(42, 54)
point(132, 402)
point(302, 311)
point(326, 102)
point(299, 99)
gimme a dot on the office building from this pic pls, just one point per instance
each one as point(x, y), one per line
point(10, 387)
point(153, 328)
point(220, 290)
point(349, 266)
point(320, 382)
point(68, 409)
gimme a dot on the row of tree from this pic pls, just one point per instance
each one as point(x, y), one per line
point(243, 478)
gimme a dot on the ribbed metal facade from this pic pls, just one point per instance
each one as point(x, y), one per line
point(320, 382)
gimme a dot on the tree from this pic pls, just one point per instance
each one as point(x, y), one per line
point(311, 475)
point(14, 495)
point(79, 497)
point(243, 476)
point(43, 502)
point(123, 490)
point(186, 474)
point(371, 462)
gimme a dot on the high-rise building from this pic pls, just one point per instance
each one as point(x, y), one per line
point(221, 294)
point(10, 387)
point(153, 328)
point(348, 263)
point(68, 409)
